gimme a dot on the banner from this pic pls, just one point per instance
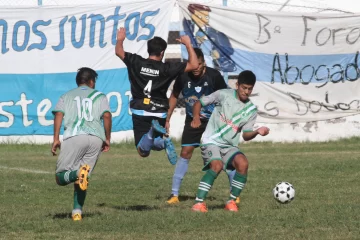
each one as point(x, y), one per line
point(307, 65)
point(42, 48)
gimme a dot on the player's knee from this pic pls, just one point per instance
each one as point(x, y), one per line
point(186, 154)
point(241, 163)
point(58, 182)
point(187, 151)
point(216, 166)
point(143, 153)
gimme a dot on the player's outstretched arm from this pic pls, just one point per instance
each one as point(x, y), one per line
point(263, 131)
point(192, 63)
point(107, 126)
point(57, 125)
point(172, 104)
point(119, 47)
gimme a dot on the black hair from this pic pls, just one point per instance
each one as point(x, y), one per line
point(85, 75)
point(156, 46)
point(247, 77)
point(199, 53)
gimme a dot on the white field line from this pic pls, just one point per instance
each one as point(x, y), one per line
point(26, 170)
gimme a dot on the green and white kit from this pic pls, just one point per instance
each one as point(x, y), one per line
point(83, 108)
point(222, 135)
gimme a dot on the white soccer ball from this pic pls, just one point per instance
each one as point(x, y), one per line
point(284, 192)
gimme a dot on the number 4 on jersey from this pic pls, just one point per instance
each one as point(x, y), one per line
point(147, 89)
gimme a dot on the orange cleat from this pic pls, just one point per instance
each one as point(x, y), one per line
point(231, 206)
point(199, 207)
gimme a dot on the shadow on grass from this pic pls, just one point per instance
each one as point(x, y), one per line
point(183, 198)
point(141, 208)
point(192, 198)
point(131, 208)
point(186, 198)
point(214, 207)
point(68, 215)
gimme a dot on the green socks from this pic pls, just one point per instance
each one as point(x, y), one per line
point(205, 184)
point(237, 184)
point(79, 197)
point(66, 177)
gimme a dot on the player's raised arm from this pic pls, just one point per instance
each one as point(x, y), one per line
point(192, 63)
point(119, 48)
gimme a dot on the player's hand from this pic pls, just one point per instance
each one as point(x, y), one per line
point(56, 144)
point(167, 126)
point(106, 146)
point(195, 123)
point(121, 34)
point(263, 131)
point(185, 39)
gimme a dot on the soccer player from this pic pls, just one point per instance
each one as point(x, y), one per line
point(193, 85)
point(150, 79)
point(87, 129)
point(233, 113)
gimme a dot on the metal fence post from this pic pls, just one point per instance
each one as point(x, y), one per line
point(226, 75)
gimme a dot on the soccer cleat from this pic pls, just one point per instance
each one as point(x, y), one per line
point(237, 200)
point(173, 199)
point(199, 207)
point(170, 151)
point(231, 206)
point(76, 217)
point(157, 127)
point(83, 177)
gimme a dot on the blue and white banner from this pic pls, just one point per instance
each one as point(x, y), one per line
point(42, 48)
point(307, 65)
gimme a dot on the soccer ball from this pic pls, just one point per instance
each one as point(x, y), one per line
point(284, 192)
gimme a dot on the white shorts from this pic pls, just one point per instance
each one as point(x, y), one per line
point(213, 152)
point(77, 151)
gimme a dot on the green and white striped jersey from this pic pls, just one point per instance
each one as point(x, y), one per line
point(229, 118)
point(83, 108)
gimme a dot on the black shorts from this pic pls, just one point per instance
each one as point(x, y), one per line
point(142, 125)
point(192, 136)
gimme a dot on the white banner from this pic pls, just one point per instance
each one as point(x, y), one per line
point(57, 39)
point(43, 47)
point(307, 65)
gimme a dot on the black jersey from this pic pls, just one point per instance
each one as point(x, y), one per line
point(193, 89)
point(150, 80)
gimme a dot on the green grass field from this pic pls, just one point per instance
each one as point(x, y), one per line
point(126, 196)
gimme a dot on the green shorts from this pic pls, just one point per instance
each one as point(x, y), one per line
point(213, 152)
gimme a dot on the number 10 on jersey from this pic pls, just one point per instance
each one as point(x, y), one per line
point(84, 108)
